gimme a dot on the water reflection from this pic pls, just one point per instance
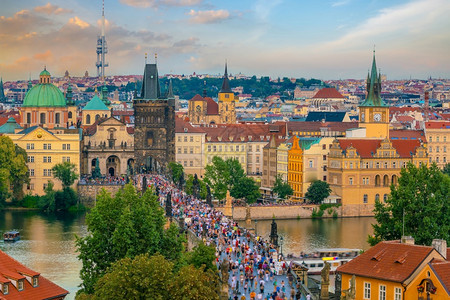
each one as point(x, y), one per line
point(47, 244)
point(307, 234)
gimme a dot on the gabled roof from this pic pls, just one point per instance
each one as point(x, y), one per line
point(328, 93)
point(11, 268)
point(442, 270)
point(212, 108)
point(197, 97)
point(366, 148)
point(10, 126)
point(95, 104)
point(182, 126)
point(390, 261)
point(437, 125)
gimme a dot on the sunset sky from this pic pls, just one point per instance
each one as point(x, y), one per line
point(326, 39)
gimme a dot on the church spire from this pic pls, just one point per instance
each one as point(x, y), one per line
point(226, 82)
point(170, 91)
point(69, 95)
point(373, 96)
point(2, 92)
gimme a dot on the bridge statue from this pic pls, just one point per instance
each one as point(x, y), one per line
point(350, 293)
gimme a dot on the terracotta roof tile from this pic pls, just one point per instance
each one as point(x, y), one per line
point(405, 148)
point(391, 261)
point(197, 98)
point(404, 134)
point(365, 147)
point(212, 108)
point(45, 290)
point(437, 125)
point(242, 132)
point(442, 270)
point(182, 126)
point(328, 93)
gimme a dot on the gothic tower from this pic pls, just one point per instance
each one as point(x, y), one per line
point(373, 112)
point(227, 110)
point(154, 135)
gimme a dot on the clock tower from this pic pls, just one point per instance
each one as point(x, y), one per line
point(373, 112)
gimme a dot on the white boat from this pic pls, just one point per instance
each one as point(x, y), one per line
point(315, 262)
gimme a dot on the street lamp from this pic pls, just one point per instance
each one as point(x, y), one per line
point(256, 228)
point(281, 245)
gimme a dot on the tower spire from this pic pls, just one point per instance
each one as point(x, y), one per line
point(226, 82)
point(373, 97)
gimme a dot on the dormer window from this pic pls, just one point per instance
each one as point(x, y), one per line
point(20, 285)
point(5, 289)
point(35, 281)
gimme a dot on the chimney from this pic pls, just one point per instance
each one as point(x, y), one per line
point(408, 240)
point(441, 247)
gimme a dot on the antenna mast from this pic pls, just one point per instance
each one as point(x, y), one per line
point(102, 48)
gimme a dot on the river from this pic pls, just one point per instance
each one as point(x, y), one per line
point(48, 241)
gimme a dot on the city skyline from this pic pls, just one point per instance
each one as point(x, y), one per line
point(320, 39)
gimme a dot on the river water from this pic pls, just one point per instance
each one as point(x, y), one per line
point(48, 241)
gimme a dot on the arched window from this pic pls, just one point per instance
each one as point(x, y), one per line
point(377, 197)
point(97, 117)
point(57, 118)
point(394, 179)
point(385, 197)
point(70, 115)
point(93, 162)
point(377, 180)
point(88, 119)
point(42, 119)
point(386, 180)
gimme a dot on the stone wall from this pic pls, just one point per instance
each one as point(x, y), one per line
point(88, 193)
point(297, 211)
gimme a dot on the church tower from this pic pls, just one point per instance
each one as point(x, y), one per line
point(227, 104)
point(2, 92)
point(373, 112)
point(154, 136)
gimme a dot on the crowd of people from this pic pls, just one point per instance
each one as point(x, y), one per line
point(105, 180)
point(251, 265)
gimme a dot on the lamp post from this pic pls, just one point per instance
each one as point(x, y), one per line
point(281, 245)
point(256, 227)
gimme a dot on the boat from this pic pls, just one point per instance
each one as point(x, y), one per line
point(316, 261)
point(11, 236)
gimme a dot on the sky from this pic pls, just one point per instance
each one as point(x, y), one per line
point(325, 39)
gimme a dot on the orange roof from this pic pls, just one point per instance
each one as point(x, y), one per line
point(11, 268)
point(391, 261)
point(242, 132)
point(316, 126)
point(366, 148)
point(197, 98)
point(437, 125)
point(328, 93)
point(405, 134)
point(212, 108)
point(181, 126)
point(405, 148)
point(442, 269)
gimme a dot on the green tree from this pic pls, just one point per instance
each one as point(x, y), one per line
point(221, 175)
point(189, 184)
point(66, 173)
point(446, 169)
point(317, 191)
point(47, 202)
point(203, 257)
point(282, 188)
point(176, 171)
point(246, 188)
point(420, 202)
point(13, 169)
point(125, 225)
point(191, 283)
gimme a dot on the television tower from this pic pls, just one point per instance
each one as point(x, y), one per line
point(102, 49)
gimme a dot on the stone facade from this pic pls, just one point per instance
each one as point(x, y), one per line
point(88, 193)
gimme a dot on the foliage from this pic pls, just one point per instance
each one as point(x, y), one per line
point(122, 226)
point(246, 188)
point(189, 185)
point(335, 215)
point(47, 202)
point(176, 171)
point(446, 169)
point(30, 201)
point(13, 169)
point(325, 206)
point(222, 175)
point(421, 198)
point(191, 283)
point(317, 191)
point(282, 188)
point(317, 213)
point(203, 257)
point(65, 172)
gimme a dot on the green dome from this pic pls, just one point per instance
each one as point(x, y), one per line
point(45, 73)
point(44, 95)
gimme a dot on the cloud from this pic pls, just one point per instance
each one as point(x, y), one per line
point(340, 3)
point(47, 55)
point(78, 22)
point(263, 8)
point(51, 9)
point(208, 16)
point(156, 3)
point(22, 22)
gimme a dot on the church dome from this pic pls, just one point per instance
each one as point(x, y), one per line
point(44, 94)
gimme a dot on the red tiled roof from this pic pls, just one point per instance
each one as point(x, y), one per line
point(181, 126)
point(442, 269)
point(197, 98)
point(407, 134)
point(45, 290)
point(437, 125)
point(237, 132)
point(391, 261)
point(130, 130)
point(212, 108)
point(366, 148)
point(328, 93)
point(316, 126)
point(405, 148)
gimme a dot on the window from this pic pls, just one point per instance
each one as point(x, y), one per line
point(250, 148)
point(437, 159)
point(44, 186)
point(179, 138)
point(257, 159)
point(324, 147)
point(209, 148)
point(191, 139)
point(47, 159)
point(351, 165)
point(30, 146)
point(378, 165)
point(382, 295)
point(444, 159)
point(185, 163)
point(365, 198)
point(220, 148)
point(88, 119)
point(42, 118)
point(397, 293)
point(35, 281)
point(66, 147)
point(57, 118)
point(366, 290)
point(437, 139)
point(185, 150)
point(47, 146)
point(191, 163)
point(324, 157)
point(20, 285)
point(66, 159)
point(185, 138)
point(179, 150)
point(377, 197)
point(47, 172)
point(444, 149)
point(30, 158)
point(385, 197)
point(431, 139)
point(430, 149)
point(350, 181)
point(257, 148)
point(31, 172)
point(215, 148)
point(437, 148)
point(5, 289)
point(311, 163)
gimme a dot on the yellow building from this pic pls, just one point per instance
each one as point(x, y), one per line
point(282, 160)
point(295, 169)
point(438, 137)
point(399, 271)
point(227, 102)
point(93, 111)
point(189, 147)
point(45, 149)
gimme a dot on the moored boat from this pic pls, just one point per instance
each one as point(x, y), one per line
point(11, 236)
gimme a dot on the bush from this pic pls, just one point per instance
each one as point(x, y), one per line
point(317, 213)
point(330, 211)
point(77, 208)
point(30, 201)
point(335, 215)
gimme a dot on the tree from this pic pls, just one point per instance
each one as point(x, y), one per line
point(246, 188)
point(282, 188)
point(221, 175)
point(203, 257)
point(13, 169)
point(446, 169)
point(191, 283)
point(420, 202)
point(317, 191)
point(176, 171)
point(66, 173)
point(122, 226)
point(190, 184)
